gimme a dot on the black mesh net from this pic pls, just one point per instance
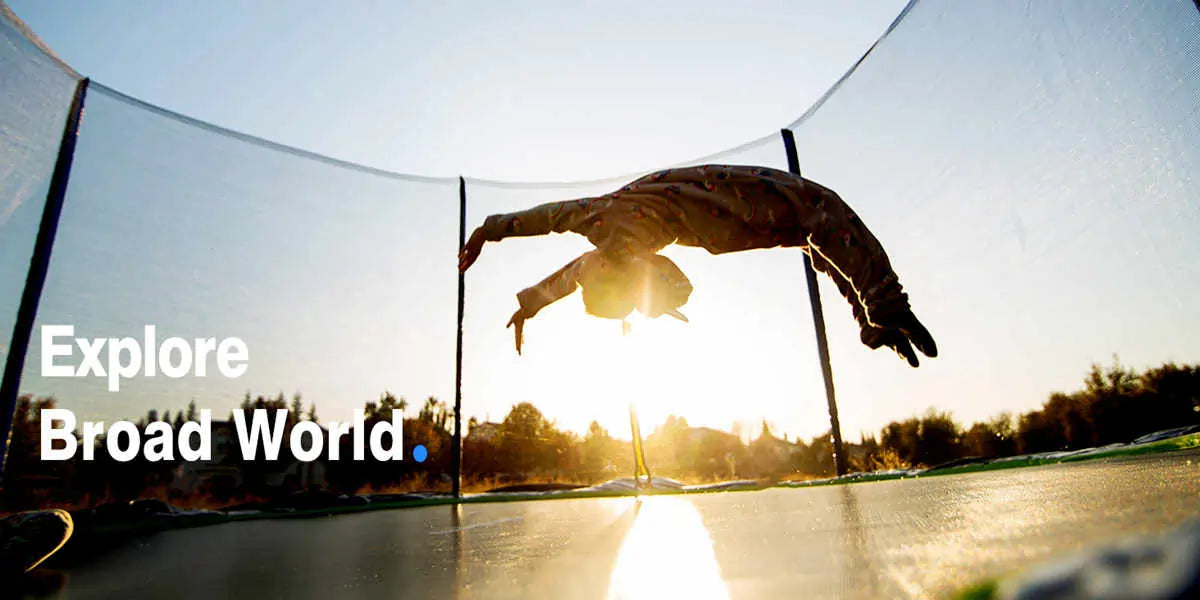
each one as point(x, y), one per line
point(34, 99)
point(1030, 170)
point(339, 280)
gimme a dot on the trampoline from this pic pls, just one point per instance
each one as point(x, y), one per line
point(1052, 146)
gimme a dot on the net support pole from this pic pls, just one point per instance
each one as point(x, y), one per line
point(814, 298)
point(39, 265)
point(456, 442)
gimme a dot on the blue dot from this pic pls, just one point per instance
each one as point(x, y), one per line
point(420, 453)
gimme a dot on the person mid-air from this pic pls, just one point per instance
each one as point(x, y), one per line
point(721, 209)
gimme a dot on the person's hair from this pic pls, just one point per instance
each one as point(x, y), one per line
point(652, 285)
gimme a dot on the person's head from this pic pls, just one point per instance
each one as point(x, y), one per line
point(652, 285)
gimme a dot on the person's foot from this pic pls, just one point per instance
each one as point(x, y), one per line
point(874, 337)
point(28, 538)
point(901, 332)
point(916, 333)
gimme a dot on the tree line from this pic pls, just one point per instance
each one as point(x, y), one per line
point(1115, 404)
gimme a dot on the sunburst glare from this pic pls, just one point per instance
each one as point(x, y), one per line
point(667, 554)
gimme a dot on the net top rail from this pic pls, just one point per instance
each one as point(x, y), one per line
point(20, 26)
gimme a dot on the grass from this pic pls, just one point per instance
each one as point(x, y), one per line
point(980, 591)
point(1180, 443)
point(987, 589)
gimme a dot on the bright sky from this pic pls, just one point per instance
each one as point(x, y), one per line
point(976, 172)
point(508, 90)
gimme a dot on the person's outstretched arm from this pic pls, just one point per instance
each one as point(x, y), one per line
point(554, 217)
point(557, 286)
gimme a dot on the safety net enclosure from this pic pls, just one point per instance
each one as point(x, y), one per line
point(1030, 169)
point(328, 272)
point(35, 93)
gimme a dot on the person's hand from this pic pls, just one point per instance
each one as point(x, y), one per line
point(470, 251)
point(518, 321)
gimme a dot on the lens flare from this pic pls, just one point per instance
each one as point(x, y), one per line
point(667, 554)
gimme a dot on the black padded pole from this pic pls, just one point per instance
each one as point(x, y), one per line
point(456, 444)
point(814, 298)
point(39, 264)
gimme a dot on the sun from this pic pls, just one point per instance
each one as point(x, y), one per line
point(645, 367)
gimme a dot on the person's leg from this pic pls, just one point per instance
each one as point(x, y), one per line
point(871, 335)
point(841, 246)
point(844, 287)
point(732, 208)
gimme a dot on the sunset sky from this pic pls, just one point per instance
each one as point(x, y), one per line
point(1034, 186)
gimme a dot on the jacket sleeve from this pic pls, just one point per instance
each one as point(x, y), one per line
point(558, 285)
point(554, 217)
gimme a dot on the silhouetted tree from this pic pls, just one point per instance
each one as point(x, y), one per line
point(1036, 432)
point(435, 412)
point(524, 436)
point(993, 438)
point(1170, 396)
point(296, 412)
point(816, 457)
point(382, 410)
point(1071, 415)
point(938, 437)
point(902, 439)
point(598, 452)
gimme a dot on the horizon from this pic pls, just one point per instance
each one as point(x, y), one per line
point(745, 431)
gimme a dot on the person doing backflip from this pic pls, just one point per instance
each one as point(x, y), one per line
point(721, 209)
